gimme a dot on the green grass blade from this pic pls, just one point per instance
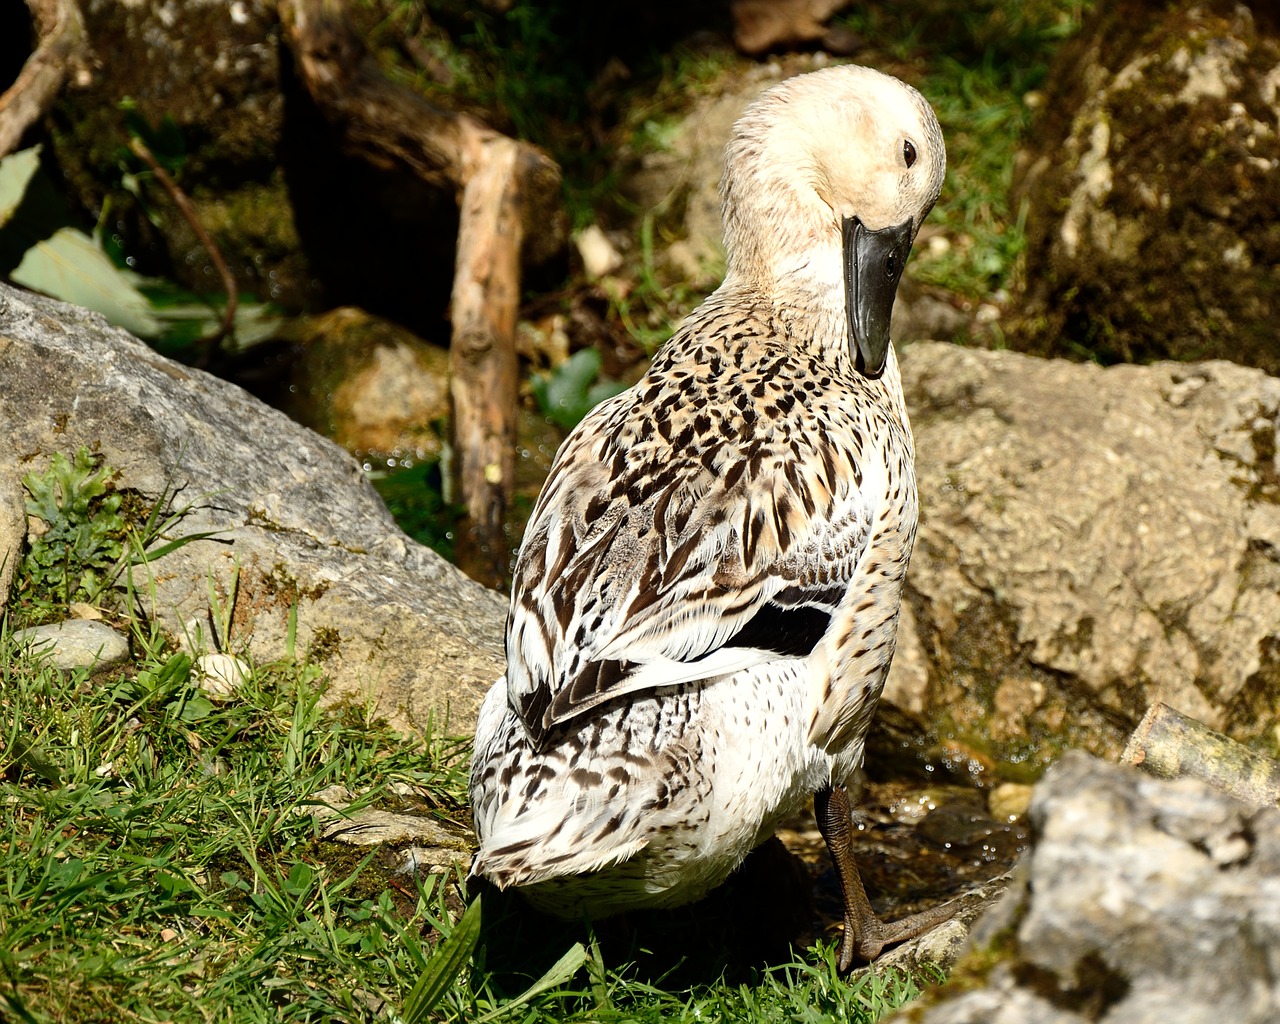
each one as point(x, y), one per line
point(560, 973)
point(445, 965)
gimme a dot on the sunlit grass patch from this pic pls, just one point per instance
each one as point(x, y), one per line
point(159, 855)
point(160, 861)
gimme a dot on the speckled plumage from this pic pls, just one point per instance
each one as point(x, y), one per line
point(705, 604)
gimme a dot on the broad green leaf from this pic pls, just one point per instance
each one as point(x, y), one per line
point(568, 393)
point(254, 322)
point(195, 708)
point(70, 266)
point(16, 172)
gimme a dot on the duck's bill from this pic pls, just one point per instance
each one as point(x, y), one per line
point(873, 262)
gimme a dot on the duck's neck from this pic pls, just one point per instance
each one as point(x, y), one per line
point(809, 305)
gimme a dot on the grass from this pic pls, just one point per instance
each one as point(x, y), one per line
point(160, 858)
point(161, 862)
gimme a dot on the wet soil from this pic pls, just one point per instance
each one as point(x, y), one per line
point(916, 845)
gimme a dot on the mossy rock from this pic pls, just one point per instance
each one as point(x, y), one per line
point(375, 388)
point(1152, 189)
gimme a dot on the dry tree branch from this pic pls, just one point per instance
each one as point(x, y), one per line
point(1170, 745)
point(188, 211)
point(508, 193)
point(61, 49)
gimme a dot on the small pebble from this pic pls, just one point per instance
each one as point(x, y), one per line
point(220, 675)
point(599, 257)
point(1008, 801)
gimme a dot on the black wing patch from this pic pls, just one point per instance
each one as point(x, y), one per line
point(789, 632)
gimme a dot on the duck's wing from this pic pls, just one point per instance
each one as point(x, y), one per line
point(653, 564)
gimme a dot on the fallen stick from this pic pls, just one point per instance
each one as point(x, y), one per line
point(61, 50)
point(510, 212)
point(1170, 745)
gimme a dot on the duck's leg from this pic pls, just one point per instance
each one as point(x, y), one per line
point(864, 933)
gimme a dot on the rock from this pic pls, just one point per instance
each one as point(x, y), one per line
point(75, 644)
point(598, 255)
point(763, 25)
point(1153, 179)
point(1091, 540)
point(1141, 901)
point(372, 827)
point(413, 842)
point(204, 84)
point(375, 388)
point(220, 675)
point(319, 566)
point(204, 80)
point(1009, 800)
point(13, 528)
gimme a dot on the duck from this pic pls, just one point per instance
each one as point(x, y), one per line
point(704, 606)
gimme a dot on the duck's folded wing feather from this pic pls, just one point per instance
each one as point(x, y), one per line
point(660, 579)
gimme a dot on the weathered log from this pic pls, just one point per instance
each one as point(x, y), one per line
point(510, 213)
point(482, 357)
point(59, 52)
point(1170, 745)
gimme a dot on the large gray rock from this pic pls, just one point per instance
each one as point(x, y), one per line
point(75, 643)
point(1091, 540)
point(1140, 902)
point(393, 624)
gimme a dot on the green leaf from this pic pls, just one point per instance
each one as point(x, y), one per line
point(71, 266)
point(16, 172)
point(445, 965)
point(300, 878)
point(196, 708)
point(254, 322)
point(31, 756)
point(569, 393)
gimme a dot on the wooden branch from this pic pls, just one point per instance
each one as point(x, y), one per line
point(510, 213)
point(61, 49)
point(482, 358)
point(1170, 745)
point(188, 211)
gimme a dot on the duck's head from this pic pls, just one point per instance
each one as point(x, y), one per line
point(827, 179)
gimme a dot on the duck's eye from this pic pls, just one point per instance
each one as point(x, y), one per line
point(908, 152)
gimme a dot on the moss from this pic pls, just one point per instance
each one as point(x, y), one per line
point(1004, 709)
point(1188, 183)
point(1252, 711)
point(326, 643)
point(973, 969)
point(1093, 989)
point(281, 585)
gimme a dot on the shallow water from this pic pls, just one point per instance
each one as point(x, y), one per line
point(916, 845)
